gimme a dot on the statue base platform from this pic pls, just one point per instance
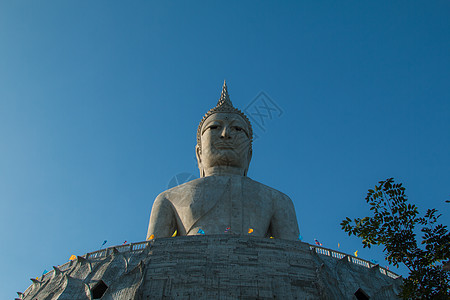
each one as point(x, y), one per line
point(216, 267)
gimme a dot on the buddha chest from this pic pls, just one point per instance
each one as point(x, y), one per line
point(219, 204)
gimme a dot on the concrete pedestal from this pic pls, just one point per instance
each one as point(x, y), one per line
point(213, 267)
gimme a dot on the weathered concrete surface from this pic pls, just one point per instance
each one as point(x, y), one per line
point(215, 203)
point(216, 267)
point(224, 197)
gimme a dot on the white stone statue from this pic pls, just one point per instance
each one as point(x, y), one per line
point(224, 200)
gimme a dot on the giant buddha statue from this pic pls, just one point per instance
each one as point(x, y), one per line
point(224, 199)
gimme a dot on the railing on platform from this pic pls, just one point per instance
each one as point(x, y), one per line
point(141, 245)
point(352, 259)
point(98, 254)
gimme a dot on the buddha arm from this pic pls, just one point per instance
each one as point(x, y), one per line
point(162, 218)
point(283, 224)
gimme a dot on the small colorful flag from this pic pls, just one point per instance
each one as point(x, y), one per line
point(151, 237)
point(104, 242)
point(317, 242)
point(227, 229)
point(124, 243)
point(356, 253)
point(339, 245)
point(73, 257)
point(175, 233)
point(200, 231)
point(300, 237)
point(387, 267)
point(250, 230)
point(271, 237)
point(45, 271)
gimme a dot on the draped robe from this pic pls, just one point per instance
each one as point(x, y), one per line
point(223, 203)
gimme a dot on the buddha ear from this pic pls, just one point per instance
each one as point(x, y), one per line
point(198, 154)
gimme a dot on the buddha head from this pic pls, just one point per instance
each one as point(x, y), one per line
point(224, 140)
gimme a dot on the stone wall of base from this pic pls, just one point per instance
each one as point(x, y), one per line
point(215, 267)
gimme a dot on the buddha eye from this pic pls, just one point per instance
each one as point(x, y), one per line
point(213, 127)
point(237, 128)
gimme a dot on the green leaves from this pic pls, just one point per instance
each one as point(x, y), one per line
point(392, 224)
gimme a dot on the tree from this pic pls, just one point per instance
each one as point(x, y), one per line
point(393, 225)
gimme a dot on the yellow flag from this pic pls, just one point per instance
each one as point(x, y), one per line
point(151, 237)
point(356, 253)
point(72, 257)
point(271, 237)
point(250, 230)
point(339, 245)
point(174, 234)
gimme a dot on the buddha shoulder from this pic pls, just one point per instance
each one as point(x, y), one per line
point(217, 185)
point(268, 192)
point(193, 187)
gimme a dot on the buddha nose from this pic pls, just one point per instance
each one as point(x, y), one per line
point(225, 134)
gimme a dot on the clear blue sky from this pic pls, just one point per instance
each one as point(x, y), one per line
point(100, 102)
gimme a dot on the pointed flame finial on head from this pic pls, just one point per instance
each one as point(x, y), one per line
point(224, 97)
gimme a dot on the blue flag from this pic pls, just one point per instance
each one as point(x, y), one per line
point(201, 231)
point(104, 242)
point(300, 237)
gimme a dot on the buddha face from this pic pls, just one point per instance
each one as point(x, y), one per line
point(224, 142)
